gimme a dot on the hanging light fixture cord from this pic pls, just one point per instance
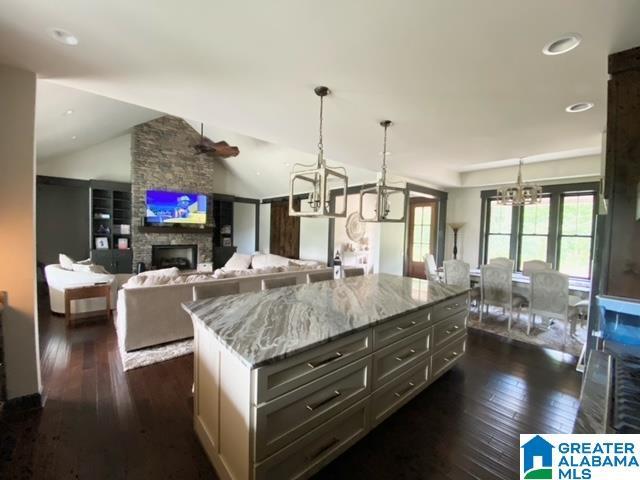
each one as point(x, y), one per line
point(384, 154)
point(320, 145)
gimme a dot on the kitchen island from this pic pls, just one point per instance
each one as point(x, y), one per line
point(289, 378)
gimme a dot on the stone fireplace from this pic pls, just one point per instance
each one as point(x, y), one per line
point(162, 159)
point(185, 257)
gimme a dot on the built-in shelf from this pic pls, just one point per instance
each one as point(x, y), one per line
point(174, 229)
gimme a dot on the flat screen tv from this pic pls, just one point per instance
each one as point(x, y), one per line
point(176, 208)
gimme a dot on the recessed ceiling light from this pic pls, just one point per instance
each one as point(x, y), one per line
point(257, 173)
point(74, 138)
point(579, 107)
point(564, 44)
point(63, 36)
point(68, 112)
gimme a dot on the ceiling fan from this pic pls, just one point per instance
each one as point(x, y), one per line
point(213, 149)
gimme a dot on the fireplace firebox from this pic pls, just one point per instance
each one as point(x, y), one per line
point(185, 257)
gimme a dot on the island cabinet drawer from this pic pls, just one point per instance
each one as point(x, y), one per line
point(445, 330)
point(445, 358)
point(401, 327)
point(399, 357)
point(392, 396)
point(281, 377)
point(281, 421)
point(318, 447)
point(449, 307)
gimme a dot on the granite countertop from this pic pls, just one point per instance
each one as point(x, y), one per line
point(262, 327)
point(592, 417)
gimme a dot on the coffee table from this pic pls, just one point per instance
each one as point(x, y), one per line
point(84, 292)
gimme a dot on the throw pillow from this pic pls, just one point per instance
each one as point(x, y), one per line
point(163, 272)
point(238, 261)
point(65, 261)
point(268, 260)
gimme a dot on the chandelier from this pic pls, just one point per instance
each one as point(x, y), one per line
point(317, 179)
point(382, 191)
point(521, 193)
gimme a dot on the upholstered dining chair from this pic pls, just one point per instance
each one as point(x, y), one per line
point(534, 266)
point(314, 277)
point(503, 262)
point(549, 298)
point(353, 272)
point(200, 292)
point(456, 272)
point(496, 288)
point(269, 283)
point(430, 268)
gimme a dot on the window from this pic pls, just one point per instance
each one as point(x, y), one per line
point(499, 231)
point(576, 235)
point(558, 230)
point(534, 236)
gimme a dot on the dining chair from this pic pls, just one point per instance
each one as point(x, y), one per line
point(496, 288)
point(353, 272)
point(269, 283)
point(549, 298)
point(456, 272)
point(430, 268)
point(504, 262)
point(314, 277)
point(534, 266)
point(200, 292)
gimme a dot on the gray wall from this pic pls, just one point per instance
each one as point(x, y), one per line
point(162, 158)
point(62, 220)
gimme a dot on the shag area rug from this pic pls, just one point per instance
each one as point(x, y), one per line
point(542, 335)
point(157, 354)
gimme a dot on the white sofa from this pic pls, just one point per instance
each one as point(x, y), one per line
point(58, 279)
point(152, 315)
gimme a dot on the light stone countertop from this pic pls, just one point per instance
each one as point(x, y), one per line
point(266, 326)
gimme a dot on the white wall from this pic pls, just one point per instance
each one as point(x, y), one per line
point(110, 160)
point(314, 238)
point(17, 230)
point(392, 243)
point(372, 236)
point(244, 227)
point(265, 227)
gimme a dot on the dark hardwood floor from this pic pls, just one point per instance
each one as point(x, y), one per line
point(102, 423)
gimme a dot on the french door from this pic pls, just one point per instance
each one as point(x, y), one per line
point(423, 218)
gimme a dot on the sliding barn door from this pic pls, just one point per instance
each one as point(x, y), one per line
point(285, 231)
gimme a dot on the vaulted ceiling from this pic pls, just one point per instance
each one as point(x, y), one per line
point(464, 81)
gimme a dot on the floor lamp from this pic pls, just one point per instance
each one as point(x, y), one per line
point(455, 226)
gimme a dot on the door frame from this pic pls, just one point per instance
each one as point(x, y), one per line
point(441, 198)
point(415, 202)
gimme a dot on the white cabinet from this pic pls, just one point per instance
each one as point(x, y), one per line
point(290, 418)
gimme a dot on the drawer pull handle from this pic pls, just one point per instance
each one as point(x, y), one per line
point(451, 307)
point(409, 354)
point(405, 391)
point(324, 361)
point(408, 325)
point(334, 395)
point(323, 449)
point(453, 354)
point(449, 332)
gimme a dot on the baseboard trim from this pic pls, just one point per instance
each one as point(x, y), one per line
point(25, 403)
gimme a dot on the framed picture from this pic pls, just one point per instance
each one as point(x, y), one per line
point(102, 243)
point(226, 242)
point(123, 243)
point(225, 230)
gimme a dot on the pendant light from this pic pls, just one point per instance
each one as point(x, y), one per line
point(382, 191)
point(317, 179)
point(520, 193)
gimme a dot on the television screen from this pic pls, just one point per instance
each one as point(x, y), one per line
point(176, 208)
